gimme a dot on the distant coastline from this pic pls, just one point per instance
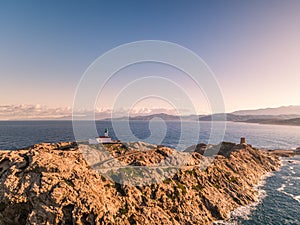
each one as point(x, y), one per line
point(291, 120)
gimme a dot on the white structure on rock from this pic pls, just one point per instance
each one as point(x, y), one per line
point(102, 139)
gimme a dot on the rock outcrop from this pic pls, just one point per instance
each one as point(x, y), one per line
point(53, 184)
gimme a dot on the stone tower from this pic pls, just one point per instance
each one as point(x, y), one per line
point(243, 141)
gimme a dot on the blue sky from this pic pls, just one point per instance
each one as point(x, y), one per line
point(253, 47)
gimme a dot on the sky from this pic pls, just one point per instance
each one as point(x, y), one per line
point(252, 48)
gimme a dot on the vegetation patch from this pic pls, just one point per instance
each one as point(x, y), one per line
point(217, 186)
point(233, 180)
point(182, 187)
point(124, 210)
point(190, 172)
point(167, 181)
point(197, 187)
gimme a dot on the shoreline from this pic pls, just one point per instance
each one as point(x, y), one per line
point(244, 212)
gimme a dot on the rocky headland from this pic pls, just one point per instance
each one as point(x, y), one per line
point(55, 184)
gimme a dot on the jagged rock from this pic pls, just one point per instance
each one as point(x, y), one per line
point(54, 184)
point(200, 148)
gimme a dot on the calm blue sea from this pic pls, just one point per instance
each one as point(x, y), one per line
point(280, 203)
point(18, 134)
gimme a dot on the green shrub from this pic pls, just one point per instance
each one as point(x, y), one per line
point(182, 187)
point(198, 187)
point(167, 181)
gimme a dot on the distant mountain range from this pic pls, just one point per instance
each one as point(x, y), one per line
point(289, 115)
point(163, 116)
point(283, 110)
point(245, 118)
point(293, 121)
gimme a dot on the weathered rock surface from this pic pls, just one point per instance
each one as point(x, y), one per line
point(53, 184)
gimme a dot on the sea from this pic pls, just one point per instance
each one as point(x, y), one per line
point(279, 192)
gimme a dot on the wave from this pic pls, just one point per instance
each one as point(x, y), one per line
point(281, 188)
point(295, 197)
point(244, 212)
point(288, 182)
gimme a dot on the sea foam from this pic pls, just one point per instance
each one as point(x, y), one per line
point(245, 211)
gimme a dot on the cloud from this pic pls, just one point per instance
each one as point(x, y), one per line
point(149, 111)
point(27, 112)
point(41, 112)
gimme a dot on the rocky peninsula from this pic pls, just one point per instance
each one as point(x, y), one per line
point(54, 184)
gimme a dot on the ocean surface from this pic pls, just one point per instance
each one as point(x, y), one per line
point(279, 202)
point(19, 134)
point(280, 192)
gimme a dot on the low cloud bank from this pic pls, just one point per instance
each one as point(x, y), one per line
point(40, 112)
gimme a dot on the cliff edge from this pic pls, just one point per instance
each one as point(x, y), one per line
point(53, 184)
